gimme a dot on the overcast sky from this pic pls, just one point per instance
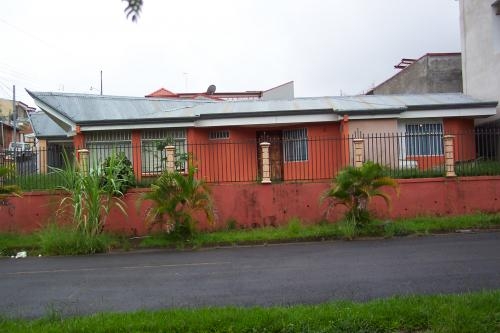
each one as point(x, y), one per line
point(325, 46)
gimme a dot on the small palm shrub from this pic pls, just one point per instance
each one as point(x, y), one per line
point(176, 199)
point(355, 187)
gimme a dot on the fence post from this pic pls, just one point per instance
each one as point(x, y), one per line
point(170, 152)
point(359, 152)
point(449, 160)
point(42, 155)
point(266, 165)
point(83, 161)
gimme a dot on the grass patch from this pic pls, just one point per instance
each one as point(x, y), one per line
point(473, 312)
point(11, 243)
point(55, 240)
point(295, 231)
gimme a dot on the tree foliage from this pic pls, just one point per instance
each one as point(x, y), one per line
point(133, 9)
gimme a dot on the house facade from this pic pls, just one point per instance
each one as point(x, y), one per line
point(222, 138)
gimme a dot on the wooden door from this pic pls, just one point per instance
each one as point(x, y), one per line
point(275, 152)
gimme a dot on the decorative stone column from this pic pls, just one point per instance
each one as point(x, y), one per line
point(266, 165)
point(170, 153)
point(42, 155)
point(449, 159)
point(83, 161)
point(359, 152)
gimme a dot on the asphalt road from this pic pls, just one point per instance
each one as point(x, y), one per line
point(246, 276)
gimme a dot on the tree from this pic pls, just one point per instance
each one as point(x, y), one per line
point(355, 187)
point(133, 9)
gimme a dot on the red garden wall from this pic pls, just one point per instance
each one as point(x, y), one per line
point(252, 205)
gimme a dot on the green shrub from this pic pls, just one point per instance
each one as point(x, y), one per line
point(176, 198)
point(355, 187)
point(117, 174)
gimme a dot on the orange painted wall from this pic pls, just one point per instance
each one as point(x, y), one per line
point(463, 130)
point(325, 153)
point(236, 158)
point(224, 160)
point(253, 205)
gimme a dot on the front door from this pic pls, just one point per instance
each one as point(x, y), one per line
point(275, 152)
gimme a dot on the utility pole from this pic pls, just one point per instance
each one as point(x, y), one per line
point(14, 113)
point(101, 82)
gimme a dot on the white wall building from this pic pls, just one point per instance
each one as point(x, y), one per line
point(480, 37)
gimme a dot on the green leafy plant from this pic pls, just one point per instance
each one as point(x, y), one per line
point(88, 197)
point(7, 190)
point(355, 187)
point(176, 199)
point(116, 173)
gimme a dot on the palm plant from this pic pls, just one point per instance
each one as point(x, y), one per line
point(176, 199)
point(355, 187)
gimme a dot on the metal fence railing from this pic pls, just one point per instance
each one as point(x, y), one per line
point(406, 155)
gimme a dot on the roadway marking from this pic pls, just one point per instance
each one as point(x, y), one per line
point(119, 268)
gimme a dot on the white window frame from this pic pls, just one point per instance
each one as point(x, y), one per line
point(295, 145)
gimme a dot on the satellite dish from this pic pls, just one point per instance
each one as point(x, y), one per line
point(211, 89)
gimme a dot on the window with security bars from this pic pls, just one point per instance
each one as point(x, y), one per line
point(424, 139)
point(103, 144)
point(153, 153)
point(295, 145)
point(218, 135)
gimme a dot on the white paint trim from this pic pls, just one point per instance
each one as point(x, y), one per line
point(276, 120)
point(474, 112)
point(134, 126)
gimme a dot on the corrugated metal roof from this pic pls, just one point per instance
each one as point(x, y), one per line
point(84, 108)
point(44, 127)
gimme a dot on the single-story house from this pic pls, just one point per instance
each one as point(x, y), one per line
point(222, 137)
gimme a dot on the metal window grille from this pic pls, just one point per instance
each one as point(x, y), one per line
point(295, 145)
point(218, 135)
point(424, 139)
point(153, 156)
point(103, 144)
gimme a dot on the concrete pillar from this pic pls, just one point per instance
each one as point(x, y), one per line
point(359, 152)
point(449, 160)
point(83, 161)
point(42, 156)
point(170, 153)
point(266, 164)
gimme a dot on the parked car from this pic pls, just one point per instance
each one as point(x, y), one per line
point(19, 150)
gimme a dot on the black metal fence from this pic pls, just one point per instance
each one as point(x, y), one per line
point(301, 159)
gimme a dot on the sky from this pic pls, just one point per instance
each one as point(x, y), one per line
point(327, 47)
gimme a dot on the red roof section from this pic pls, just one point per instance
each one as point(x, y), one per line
point(162, 92)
